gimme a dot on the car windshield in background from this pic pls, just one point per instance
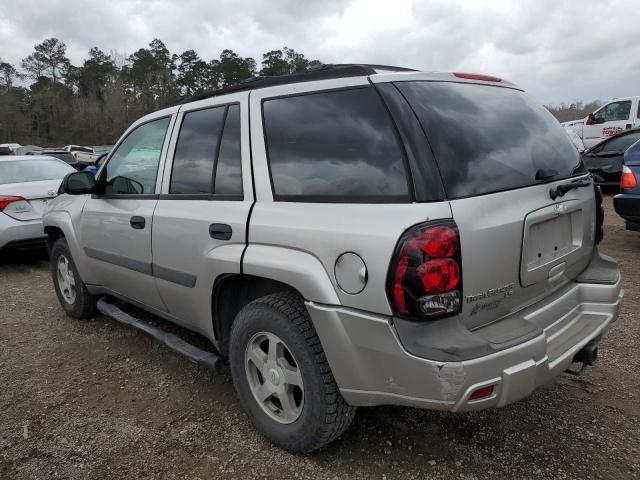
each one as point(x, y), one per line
point(64, 156)
point(488, 139)
point(20, 171)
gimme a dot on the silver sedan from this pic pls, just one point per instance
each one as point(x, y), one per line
point(26, 184)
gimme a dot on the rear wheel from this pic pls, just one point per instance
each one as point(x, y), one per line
point(71, 291)
point(282, 376)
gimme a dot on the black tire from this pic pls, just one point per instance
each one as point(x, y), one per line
point(84, 303)
point(325, 415)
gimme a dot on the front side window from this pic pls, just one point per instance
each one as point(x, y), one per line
point(133, 167)
point(615, 111)
point(335, 146)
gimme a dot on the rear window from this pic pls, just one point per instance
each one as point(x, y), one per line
point(335, 146)
point(488, 139)
point(618, 144)
point(20, 171)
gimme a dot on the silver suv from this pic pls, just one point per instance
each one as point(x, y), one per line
point(356, 235)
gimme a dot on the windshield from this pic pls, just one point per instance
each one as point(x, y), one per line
point(20, 171)
point(488, 139)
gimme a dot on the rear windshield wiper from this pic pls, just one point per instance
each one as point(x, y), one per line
point(545, 173)
point(563, 188)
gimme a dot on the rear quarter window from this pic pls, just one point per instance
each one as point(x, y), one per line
point(488, 139)
point(334, 146)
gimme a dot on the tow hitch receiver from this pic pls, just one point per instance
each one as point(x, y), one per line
point(587, 356)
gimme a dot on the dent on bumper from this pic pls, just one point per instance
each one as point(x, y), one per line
point(372, 368)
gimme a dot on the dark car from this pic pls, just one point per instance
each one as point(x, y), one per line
point(61, 154)
point(604, 159)
point(627, 203)
point(6, 151)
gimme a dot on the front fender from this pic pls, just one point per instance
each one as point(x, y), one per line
point(296, 268)
point(62, 220)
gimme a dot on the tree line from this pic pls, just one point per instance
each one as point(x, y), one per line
point(573, 111)
point(93, 103)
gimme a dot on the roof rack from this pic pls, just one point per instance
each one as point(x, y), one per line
point(319, 72)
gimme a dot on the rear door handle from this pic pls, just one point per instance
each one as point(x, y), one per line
point(220, 231)
point(137, 222)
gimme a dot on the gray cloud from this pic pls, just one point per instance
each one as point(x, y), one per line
point(557, 50)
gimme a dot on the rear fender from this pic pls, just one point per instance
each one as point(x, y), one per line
point(301, 270)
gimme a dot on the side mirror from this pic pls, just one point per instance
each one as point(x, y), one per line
point(591, 119)
point(78, 183)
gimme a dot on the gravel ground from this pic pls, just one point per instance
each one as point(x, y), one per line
point(93, 399)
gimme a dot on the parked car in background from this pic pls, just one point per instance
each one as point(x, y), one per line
point(604, 160)
point(12, 146)
point(89, 158)
point(63, 155)
point(373, 236)
point(612, 118)
point(26, 185)
point(6, 151)
point(26, 149)
point(627, 202)
point(94, 167)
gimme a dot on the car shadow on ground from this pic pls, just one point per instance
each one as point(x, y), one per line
point(34, 257)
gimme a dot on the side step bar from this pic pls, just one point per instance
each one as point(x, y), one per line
point(193, 353)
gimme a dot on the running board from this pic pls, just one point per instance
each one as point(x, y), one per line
point(175, 343)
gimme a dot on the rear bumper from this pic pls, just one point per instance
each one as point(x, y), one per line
point(15, 233)
point(628, 207)
point(372, 367)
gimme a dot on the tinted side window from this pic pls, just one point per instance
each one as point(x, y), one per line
point(196, 150)
point(133, 167)
point(334, 146)
point(229, 169)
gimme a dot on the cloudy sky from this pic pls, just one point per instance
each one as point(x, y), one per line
point(558, 50)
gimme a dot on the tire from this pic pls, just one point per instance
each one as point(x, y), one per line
point(323, 414)
point(76, 302)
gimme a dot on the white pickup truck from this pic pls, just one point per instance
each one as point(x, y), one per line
point(610, 119)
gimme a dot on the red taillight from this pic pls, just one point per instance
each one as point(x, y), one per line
point(477, 76)
point(7, 199)
point(628, 178)
point(440, 242)
point(439, 275)
point(482, 392)
point(425, 276)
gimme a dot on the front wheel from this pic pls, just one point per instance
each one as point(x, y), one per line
point(282, 376)
point(70, 289)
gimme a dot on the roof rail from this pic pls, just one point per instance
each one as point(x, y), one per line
point(319, 72)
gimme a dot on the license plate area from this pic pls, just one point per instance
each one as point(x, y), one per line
point(552, 235)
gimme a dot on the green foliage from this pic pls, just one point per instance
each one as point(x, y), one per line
point(284, 62)
point(95, 102)
point(48, 59)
